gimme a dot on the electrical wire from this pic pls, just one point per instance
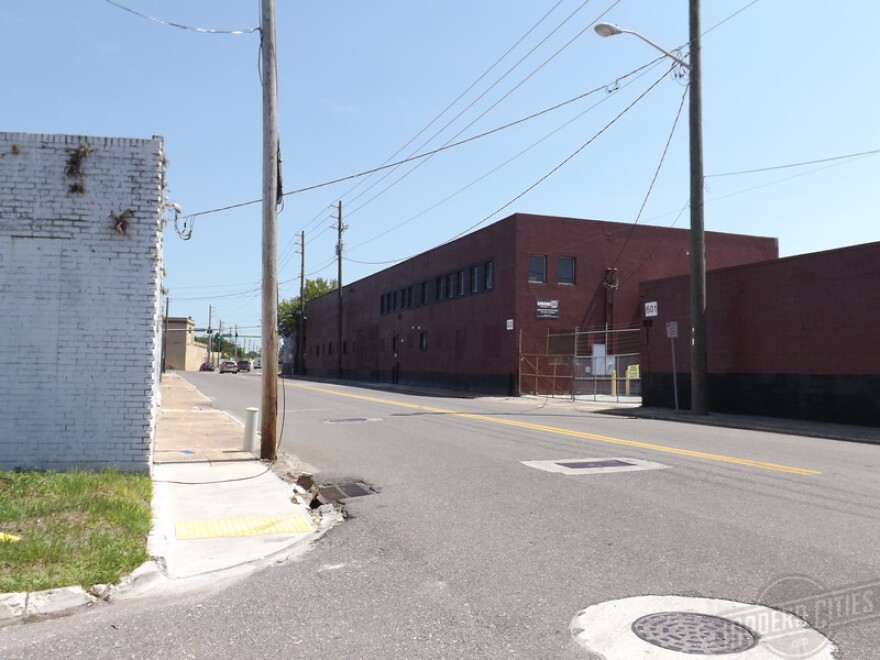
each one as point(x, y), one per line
point(800, 164)
point(653, 250)
point(739, 192)
point(426, 154)
point(468, 89)
point(722, 22)
point(564, 162)
point(217, 296)
point(162, 21)
point(653, 179)
point(217, 481)
point(611, 89)
point(773, 183)
point(471, 104)
point(552, 171)
point(494, 105)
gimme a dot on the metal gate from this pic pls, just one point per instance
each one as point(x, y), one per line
point(598, 363)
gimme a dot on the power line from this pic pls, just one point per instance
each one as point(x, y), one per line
point(654, 178)
point(469, 88)
point(496, 103)
point(446, 147)
point(800, 164)
point(565, 161)
point(722, 22)
point(616, 87)
point(553, 170)
point(473, 102)
point(162, 21)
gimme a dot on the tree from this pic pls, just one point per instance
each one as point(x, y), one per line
point(289, 310)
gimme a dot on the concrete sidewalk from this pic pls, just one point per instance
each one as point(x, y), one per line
point(215, 505)
point(218, 512)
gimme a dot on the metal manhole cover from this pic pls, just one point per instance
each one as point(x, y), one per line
point(597, 465)
point(689, 632)
point(578, 465)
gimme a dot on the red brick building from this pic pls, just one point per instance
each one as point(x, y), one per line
point(460, 314)
point(794, 337)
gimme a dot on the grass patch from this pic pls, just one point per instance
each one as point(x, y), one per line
point(76, 528)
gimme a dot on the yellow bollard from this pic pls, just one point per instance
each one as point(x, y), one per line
point(632, 372)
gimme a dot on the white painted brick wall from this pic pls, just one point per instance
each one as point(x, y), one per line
point(79, 302)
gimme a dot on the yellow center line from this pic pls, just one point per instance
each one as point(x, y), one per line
point(573, 434)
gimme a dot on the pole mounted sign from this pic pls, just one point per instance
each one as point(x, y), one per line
point(672, 334)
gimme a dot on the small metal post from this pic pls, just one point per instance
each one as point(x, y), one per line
point(674, 376)
point(250, 430)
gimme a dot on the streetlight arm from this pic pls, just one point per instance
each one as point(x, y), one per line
point(609, 30)
point(662, 50)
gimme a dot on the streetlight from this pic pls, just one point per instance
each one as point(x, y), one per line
point(610, 29)
point(699, 371)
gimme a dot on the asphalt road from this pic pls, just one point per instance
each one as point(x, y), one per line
point(465, 552)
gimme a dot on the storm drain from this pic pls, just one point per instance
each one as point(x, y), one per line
point(691, 632)
point(594, 465)
point(330, 494)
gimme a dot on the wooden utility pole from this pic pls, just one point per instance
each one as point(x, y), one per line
point(299, 359)
point(699, 363)
point(269, 415)
point(339, 228)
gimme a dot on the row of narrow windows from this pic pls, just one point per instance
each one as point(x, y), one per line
point(395, 345)
point(443, 287)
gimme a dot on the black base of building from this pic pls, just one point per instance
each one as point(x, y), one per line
point(821, 398)
point(485, 384)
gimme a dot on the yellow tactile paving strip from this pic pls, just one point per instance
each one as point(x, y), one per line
point(253, 526)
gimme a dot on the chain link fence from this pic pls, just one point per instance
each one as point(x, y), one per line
point(599, 363)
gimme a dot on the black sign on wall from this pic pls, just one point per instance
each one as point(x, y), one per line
point(547, 309)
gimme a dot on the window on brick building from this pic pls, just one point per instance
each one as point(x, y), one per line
point(537, 268)
point(565, 271)
point(488, 275)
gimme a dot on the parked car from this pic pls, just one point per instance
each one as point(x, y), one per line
point(207, 366)
point(228, 367)
point(244, 365)
point(258, 363)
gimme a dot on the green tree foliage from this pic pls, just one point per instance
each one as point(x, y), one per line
point(289, 310)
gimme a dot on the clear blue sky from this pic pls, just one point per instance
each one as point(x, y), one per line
point(784, 81)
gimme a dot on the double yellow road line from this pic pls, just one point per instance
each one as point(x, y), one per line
point(569, 433)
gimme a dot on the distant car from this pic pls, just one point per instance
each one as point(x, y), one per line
point(244, 365)
point(228, 367)
point(207, 366)
point(258, 364)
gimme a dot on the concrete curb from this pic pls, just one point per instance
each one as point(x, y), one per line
point(20, 607)
point(782, 426)
point(147, 579)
